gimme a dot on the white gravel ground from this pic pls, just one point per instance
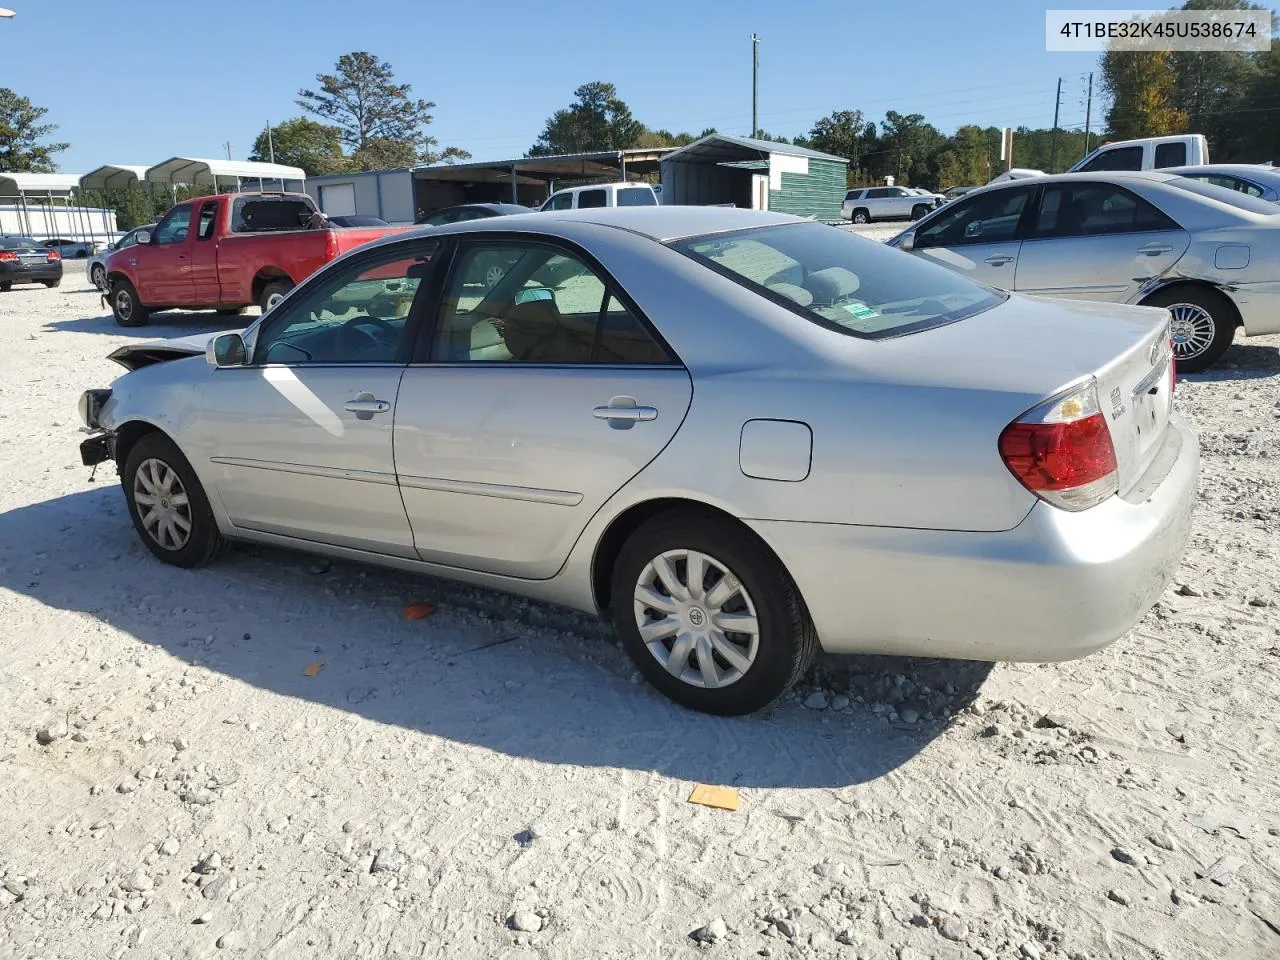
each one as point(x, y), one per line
point(494, 782)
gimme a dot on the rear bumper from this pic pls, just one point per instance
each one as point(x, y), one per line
point(1058, 586)
point(1259, 306)
point(34, 273)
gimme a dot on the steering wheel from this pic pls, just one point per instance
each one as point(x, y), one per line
point(368, 340)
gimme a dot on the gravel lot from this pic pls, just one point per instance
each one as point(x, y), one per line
point(263, 758)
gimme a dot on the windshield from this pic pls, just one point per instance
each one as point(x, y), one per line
point(1231, 198)
point(841, 281)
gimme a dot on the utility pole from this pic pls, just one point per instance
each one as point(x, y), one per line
point(271, 147)
point(755, 84)
point(1053, 143)
point(228, 146)
point(1088, 116)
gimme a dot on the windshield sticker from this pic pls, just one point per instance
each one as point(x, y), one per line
point(860, 310)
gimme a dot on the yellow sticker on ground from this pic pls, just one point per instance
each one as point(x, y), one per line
point(725, 798)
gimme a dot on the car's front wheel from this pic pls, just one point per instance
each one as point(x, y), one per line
point(709, 615)
point(918, 211)
point(1202, 325)
point(168, 505)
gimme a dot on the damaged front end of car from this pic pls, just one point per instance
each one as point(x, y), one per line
point(100, 445)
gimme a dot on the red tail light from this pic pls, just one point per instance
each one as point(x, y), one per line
point(1062, 452)
point(7, 256)
point(331, 246)
point(53, 255)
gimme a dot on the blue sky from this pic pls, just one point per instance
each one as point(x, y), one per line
point(139, 81)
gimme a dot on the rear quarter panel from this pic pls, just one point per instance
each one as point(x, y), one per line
point(297, 254)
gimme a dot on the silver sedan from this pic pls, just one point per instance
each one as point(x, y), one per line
point(1209, 255)
point(744, 435)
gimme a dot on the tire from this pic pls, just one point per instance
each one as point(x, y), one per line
point(1203, 325)
point(154, 463)
point(785, 640)
point(6, 286)
point(52, 283)
point(861, 216)
point(231, 312)
point(98, 277)
point(125, 305)
point(918, 211)
point(272, 293)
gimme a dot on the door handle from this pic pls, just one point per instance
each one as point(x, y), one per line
point(998, 260)
point(623, 413)
point(365, 405)
point(1154, 249)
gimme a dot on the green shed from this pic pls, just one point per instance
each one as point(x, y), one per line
point(723, 170)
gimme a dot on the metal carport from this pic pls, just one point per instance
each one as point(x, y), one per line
point(221, 174)
point(526, 180)
point(28, 205)
point(113, 176)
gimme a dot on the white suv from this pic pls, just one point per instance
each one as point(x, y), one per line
point(602, 195)
point(885, 203)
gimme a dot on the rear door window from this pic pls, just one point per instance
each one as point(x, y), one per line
point(1093, 209)
point(592, 198)
point(1170, 155)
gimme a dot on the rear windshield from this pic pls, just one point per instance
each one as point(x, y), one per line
point(842, 281)
point(636, 197)
point(18, 243)
point(259, 214)
point(1232, 198)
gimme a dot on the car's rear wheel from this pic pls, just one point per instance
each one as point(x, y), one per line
point(861, 216)
point(273, 293)
point(6, 286)
point(168, 505)
point(709, 615)
point(98, 277)
point(128, 310)
point(231, 311)
point(1202, 325)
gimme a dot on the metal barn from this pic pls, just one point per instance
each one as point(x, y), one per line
point(725, 170)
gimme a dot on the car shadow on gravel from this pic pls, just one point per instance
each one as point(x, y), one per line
point(170, 323)
point(1243, 361)
point(519, 678)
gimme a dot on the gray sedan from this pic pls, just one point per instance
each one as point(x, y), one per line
point(1209, 255)
point(97, 265)
point(1255, 179)
point(744, 435)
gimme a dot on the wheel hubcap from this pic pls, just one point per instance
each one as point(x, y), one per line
point(163, 505)
point(1191, 328)
point(696, 618)
point(274, 299)
point(124, 304)
point(492, 276)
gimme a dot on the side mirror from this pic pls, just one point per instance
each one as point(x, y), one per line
point(226, 350)
point(531, 294)
point(973, 229)
point(144, 237)
point(908, 241)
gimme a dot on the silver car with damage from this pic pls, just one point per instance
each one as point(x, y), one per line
point(744, 435)
point(1209, 255)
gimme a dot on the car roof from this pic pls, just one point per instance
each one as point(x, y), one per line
point(659, 223)
point(1242, 169)
point(1119, 176)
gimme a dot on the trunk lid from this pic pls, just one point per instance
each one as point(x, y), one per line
point(1033, 347)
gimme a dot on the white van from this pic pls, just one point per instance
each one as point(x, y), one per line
point(1149, 153)
point(602, 195)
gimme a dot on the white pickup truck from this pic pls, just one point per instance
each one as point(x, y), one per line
point(602, 195)
point(1149, 153)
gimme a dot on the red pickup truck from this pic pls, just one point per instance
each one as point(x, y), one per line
point(225, 253)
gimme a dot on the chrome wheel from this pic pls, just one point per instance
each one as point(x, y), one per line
point(99, 278)
point(696, 618)
point(1192, 329)
point(493, 275)
point(273, 300)
point(162, 503)
point(124, 304)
